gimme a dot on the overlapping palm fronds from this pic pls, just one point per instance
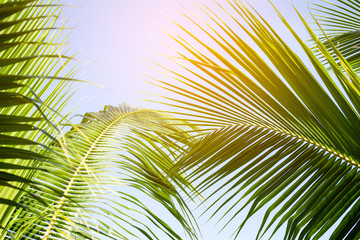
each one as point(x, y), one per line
point(118, 153)
point(340, 27)
point(280, 133)
point(61, 186)
point(284, 136)
point(32, 87)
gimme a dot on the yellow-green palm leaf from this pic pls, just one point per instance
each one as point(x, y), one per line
point(101, 187)
point(32, 88)
point(340, 25)
point(283, 133)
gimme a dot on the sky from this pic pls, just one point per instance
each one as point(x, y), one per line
point(117, 42)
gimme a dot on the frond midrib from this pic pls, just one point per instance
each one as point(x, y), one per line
point(309, 141)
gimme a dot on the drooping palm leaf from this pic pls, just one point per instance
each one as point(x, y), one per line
point(99, 182)
point(32, 87)
point(284, 136)
point(341, 22)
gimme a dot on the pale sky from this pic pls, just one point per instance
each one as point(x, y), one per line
point(117, 40)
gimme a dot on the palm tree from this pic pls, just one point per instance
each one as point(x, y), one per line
point(277, 133)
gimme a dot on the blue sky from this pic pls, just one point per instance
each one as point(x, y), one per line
point(117, 40)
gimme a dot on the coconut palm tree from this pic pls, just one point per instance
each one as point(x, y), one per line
point(278, 132)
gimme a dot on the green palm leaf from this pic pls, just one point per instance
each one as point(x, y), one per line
point(32, 90)
point(283, 135)
point(341, 22)
point(98, 182)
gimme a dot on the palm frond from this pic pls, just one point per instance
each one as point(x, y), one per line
point(99, 181)
point(341, 23)
point(33, 89)
point(282, 130)
point(299, 183)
